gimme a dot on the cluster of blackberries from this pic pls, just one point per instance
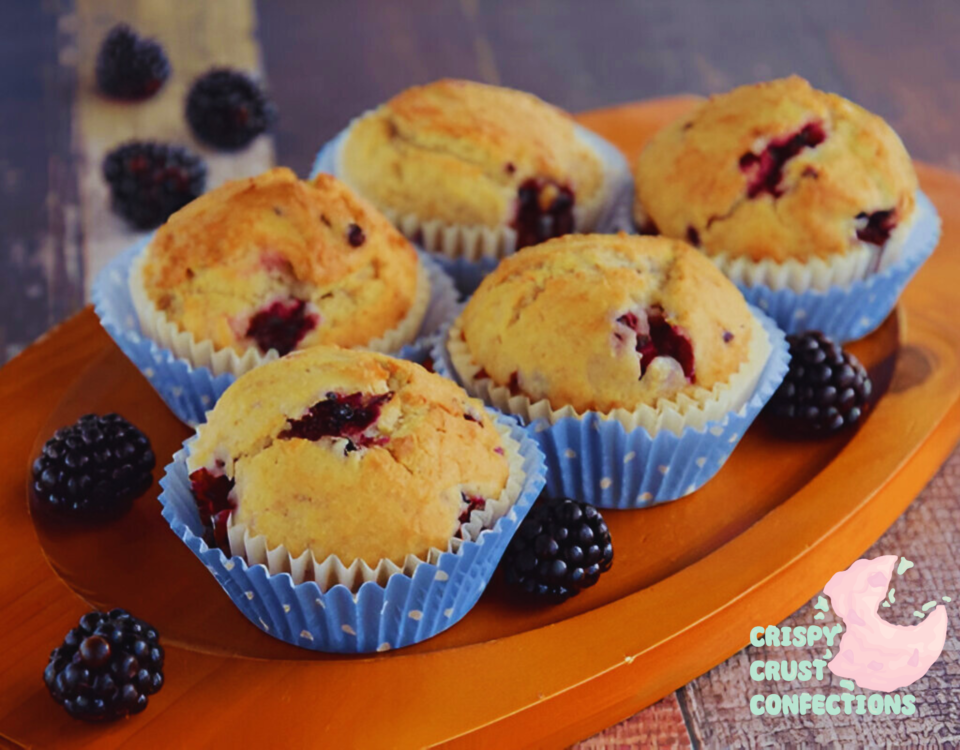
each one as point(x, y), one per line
point(94, 468)
point(825, 390)
point(226, 109)
point(561, 548)
point(106, 667)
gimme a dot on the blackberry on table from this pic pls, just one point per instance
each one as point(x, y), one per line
point(227, 109)
point(826, 389)
point(106, 667)
point(150, 181)
point(94, 468)
point(130, 67)
point(561, 548)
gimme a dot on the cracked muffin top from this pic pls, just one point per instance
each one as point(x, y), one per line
point(471, 154)
point(777, 171)
point(346, 453)
point(274, 262)
point(601, 322)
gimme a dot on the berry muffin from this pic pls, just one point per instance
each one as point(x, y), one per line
point(473, 170)
point(781, 185)
point(331, 453)
point(262, 266)
point(634, 327)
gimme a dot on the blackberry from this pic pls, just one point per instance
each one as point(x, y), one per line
point(561, 547)
point(94, 468)
point(826, 389)
point(227, 109)
point(106, 667)
point(149, 181)
point(129, 67)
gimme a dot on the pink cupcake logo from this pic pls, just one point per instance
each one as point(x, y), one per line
point(874, 653)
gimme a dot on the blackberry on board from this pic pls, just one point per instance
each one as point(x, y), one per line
point(561, 548)
point(227, 109)
point(149, 181)
point(825, 390)
point(106, 667)
point(130, 67)
point(94, 468)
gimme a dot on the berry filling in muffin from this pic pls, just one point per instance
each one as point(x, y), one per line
point(544, 210)
point(281, 325)
point(765, 170)
point(658, 338)
point(470, 503)
point(341, 416)
point(211, 491)
point(875, 228)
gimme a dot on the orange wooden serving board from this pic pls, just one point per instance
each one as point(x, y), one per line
point(689, 580)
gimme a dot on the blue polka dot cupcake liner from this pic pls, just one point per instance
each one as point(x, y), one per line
point(375, 617)
point(596, 459)
point(851, 312)
point(190, 391)
point(468, 271)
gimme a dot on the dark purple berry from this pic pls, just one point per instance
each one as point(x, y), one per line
point(150, 181)
point(227, 109)
point(130, 67)
point(826, 389)
point(110, 672)
point(94, 468)
point(561, 548)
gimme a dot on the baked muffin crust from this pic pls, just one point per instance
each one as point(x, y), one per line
point(274, 262)
point(776, 171)
point(470, 154)
point(602, 322)
point(349, 453)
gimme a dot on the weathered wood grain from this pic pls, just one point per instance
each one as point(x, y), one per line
point(926, 534)
point(197, 36)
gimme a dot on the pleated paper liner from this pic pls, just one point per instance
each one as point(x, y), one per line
point(190, 389)
point(613, 461)
point(841, 299)
point(356, 609)
point(468, 253)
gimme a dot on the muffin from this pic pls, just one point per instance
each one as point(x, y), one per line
point(473, 170)
point(781, 185)
point(609, 324)
point(633, 362)
point(263, 266)
point(353, 455)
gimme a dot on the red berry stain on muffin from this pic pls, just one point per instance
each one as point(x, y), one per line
point(281, 325)
point(693, 236)
point(765, 170)
point(658, 338)
point(211, 491)
point(875, 228)
point(544, 210)
point(472, 503)
point(355, 235)
point(341, 416)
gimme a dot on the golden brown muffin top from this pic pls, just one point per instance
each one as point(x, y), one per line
point(459, 152)
point(778, 171)
point(350, 453)
point(601, 322)
point(308, 258)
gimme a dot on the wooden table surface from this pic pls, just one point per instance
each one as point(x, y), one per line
point(326, 62)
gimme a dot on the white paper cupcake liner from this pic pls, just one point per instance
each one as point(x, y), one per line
point(361, 614)
point(468, 253)
point(673, 416)
point(843, 299)
point(847, 313)
point(595, 458)
point(190, 390)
